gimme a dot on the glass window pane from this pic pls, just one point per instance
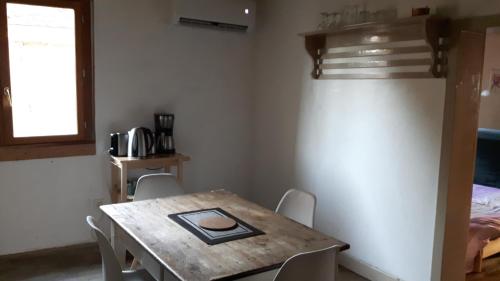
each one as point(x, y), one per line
point(42, 70)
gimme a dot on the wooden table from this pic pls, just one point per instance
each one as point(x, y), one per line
point(174, 251)
point(121, 165)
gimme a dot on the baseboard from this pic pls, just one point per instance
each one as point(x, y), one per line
point(71, 249)
point(363, 269)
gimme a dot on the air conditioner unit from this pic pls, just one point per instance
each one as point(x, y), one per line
point(236, 15)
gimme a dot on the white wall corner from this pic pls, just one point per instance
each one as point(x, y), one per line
point(367, 271)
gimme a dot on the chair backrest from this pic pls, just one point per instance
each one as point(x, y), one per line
point(111, 269)
point(298, 206)
point(157, 186)
point(319, 265)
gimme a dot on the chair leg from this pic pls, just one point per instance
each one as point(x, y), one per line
point(478, 262)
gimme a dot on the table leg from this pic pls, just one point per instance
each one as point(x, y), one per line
point(179, 171)
point(123, 183)
point(117, 245)
point(166, 168)
point(115, 184)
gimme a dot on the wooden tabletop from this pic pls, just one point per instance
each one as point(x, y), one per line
point(191, 259)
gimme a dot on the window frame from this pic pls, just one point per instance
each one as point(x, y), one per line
point(52, 146)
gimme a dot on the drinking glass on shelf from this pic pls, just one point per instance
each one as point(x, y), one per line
point(350, 15)
point(390, 14)
point(364, 16)
point(325, 17)
point(378, 15)
point(334, 20)
point(372, 16)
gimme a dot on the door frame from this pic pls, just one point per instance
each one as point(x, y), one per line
point(457, 160)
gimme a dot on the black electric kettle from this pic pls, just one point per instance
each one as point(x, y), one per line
point(140, 142)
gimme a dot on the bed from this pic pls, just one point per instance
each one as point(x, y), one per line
point(484, 230)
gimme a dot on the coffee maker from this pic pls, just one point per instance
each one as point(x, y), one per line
point(164, 126)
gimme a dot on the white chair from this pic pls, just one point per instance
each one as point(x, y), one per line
point(318, 265)
point(157, 186)
point(298, 206)
point(111, 269)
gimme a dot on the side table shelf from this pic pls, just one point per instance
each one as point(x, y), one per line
point(121, 165)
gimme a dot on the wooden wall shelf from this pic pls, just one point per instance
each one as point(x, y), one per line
point(405, 48)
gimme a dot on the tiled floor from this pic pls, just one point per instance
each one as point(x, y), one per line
point(491, 271)
point(82, 265)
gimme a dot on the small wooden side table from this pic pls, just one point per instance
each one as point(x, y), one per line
point(121, 165)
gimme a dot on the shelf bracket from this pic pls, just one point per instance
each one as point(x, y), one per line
point(315, 46)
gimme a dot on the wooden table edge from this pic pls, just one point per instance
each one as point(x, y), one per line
point(344, 247)
point(173, 157)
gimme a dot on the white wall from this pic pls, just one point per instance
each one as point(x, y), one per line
point(142, 65)
point(369, 150)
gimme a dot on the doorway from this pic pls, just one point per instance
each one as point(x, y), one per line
point(483, 246)
point(464, 87)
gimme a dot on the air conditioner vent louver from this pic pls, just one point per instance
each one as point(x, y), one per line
point(213, 24)
point(224, 15)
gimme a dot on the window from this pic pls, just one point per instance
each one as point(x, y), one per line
point(46, 77)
